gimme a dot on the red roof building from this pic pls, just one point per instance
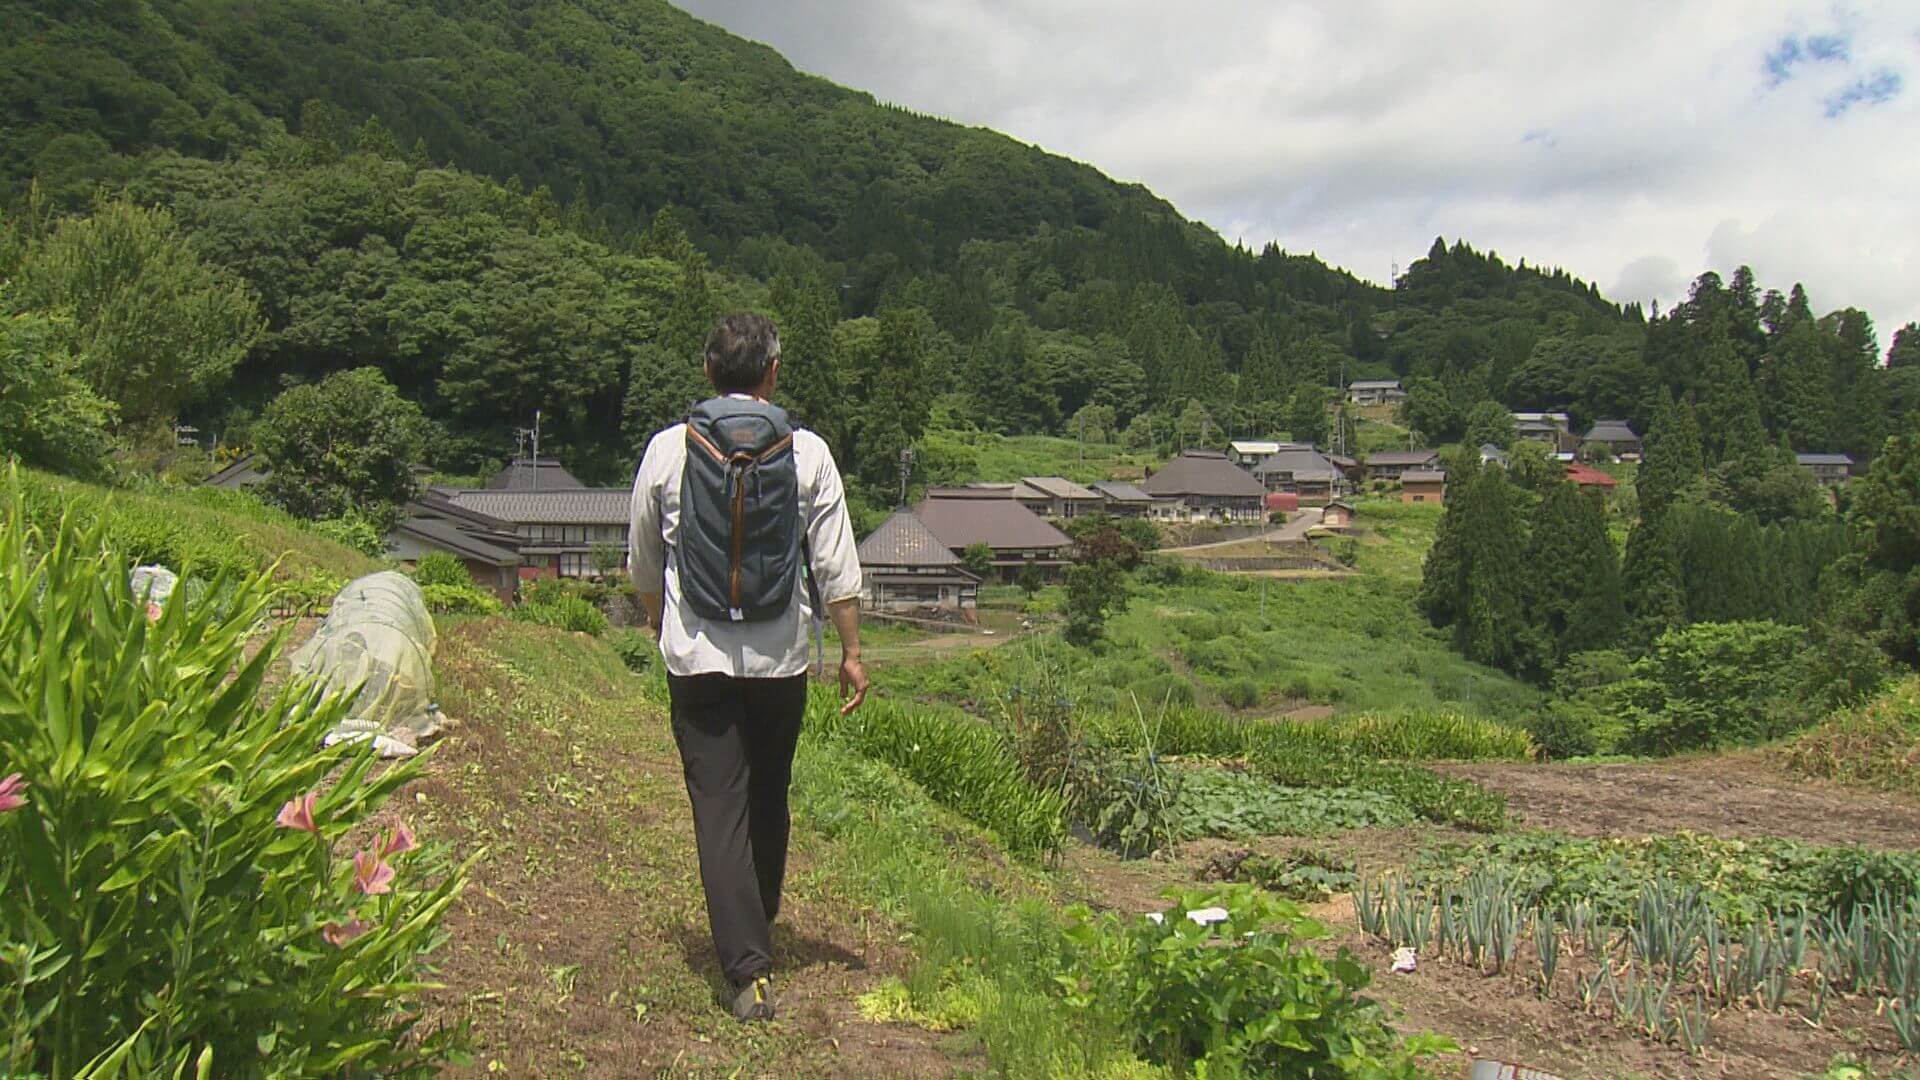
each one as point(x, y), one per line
point(1588, 477)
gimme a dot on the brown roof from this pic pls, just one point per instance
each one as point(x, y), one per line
point(1058, 487)
point(998, 523)
point(1423, 476)
point(904, 540)
point(987, 491)
point(1203, 472)
point(1403, 457)
point(583, 506)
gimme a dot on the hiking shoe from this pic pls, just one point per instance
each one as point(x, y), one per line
point(754, 1000)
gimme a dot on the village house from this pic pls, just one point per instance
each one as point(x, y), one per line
point(1019, 537)
point(1423, 486)
point(1831, 470)
point(1066, 500)
point(1029, 497)
point(1394, 464)
point(1203, 485)
point(1615, 438)
point(1122, 499)
point(1375, 392)
point(1301, 472)
point(1247, 453)
point(905, 567)
point(1493, 455)
point(239, 474)
point(492, 566)
point(563, 532)
point(1553, 430)
point(1588, 478)
point(1349, 467)
point(534, 474)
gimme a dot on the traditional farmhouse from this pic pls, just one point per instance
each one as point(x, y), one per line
point(1247, 453)
point(1831, 470)
point(1423, 486)
point(1553, 430)
point(1034, 500)
point(1122, 499)
point(1613, 437)
point(1066, 500)
point(1203, 484)
point(1376, 392)
point(561, 531)
point(1349, 467)
point(905, 567)
point(1019, 537)
point(493, 567)
point(1303, 473)
point(543, 474)
point(1394, 464)
point(1588, 478)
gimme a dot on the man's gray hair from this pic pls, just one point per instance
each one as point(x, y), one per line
point(741, 349)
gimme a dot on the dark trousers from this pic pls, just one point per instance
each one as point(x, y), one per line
point(736, 739)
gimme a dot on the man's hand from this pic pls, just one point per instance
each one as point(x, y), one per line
point(853, 679)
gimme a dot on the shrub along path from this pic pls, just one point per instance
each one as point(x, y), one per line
point(1730, 795)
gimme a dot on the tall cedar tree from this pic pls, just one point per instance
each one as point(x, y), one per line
point(1572, 577)
point(1651, 584)
point(1671, 459)
point(1493, 626)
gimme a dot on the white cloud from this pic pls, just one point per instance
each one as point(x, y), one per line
point(1634, 144)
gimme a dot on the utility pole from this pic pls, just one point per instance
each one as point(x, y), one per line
point(536, 450)
point(1083, 436)
point(906, 470)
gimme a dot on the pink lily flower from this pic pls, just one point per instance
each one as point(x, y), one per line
point(399, 841)
point(371, 874)
point(10, 789)
point(298, 814)
point(338, 934)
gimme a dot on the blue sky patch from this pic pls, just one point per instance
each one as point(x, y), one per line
point(1876, 89)
point(1793, 50)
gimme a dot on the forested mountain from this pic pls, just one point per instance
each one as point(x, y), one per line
point(509, 206)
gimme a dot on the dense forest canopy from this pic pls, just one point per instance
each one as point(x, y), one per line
point(508, 206)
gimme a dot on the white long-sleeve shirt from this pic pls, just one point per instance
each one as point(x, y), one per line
point(775, 648)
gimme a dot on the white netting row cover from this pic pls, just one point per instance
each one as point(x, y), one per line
point(379, 637)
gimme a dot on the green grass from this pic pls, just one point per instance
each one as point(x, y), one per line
point(214, 531)
point(960, 457)
point(1876, 744)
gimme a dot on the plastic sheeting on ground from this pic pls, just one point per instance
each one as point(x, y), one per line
point(380, 638)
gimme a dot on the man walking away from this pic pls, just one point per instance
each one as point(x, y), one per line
point(739, 530)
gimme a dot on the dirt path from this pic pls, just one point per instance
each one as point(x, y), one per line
point(1738, 795)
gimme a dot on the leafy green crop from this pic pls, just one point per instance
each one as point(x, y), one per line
point(1237, 805)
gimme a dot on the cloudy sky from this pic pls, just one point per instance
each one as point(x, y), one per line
point(1633, 143)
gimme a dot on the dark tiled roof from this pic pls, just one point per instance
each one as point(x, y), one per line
point(441, 535)
point(1423, 476)
point(522, 475)
point(987, 491)
point(1121, 491)
point(904, 540)
point(584, 506)
point(1058, 487)
point(1824, 459)
point(1205, 473)
point(436, 503)
point(1303, 464)
point(999, 523)
point(1611, 431)
point(1403, 457)
point(240, 472)
point(1374, 384)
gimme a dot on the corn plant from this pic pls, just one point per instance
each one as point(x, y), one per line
point(167, 835)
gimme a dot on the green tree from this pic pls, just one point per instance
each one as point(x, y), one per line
point(977, 559)
point(1307, 414)
point(1430, 411)
point(1878, 592)
point(1492, 627)
point(1671, 461)
point(1094, 591)
point(1798, 384)
point(1905, 352)
point(48, 415)
point(1652, 586)
point(347, 443)
point(152, 325)
point(1490, 424)
point(1571, 577)
point(666, 376)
